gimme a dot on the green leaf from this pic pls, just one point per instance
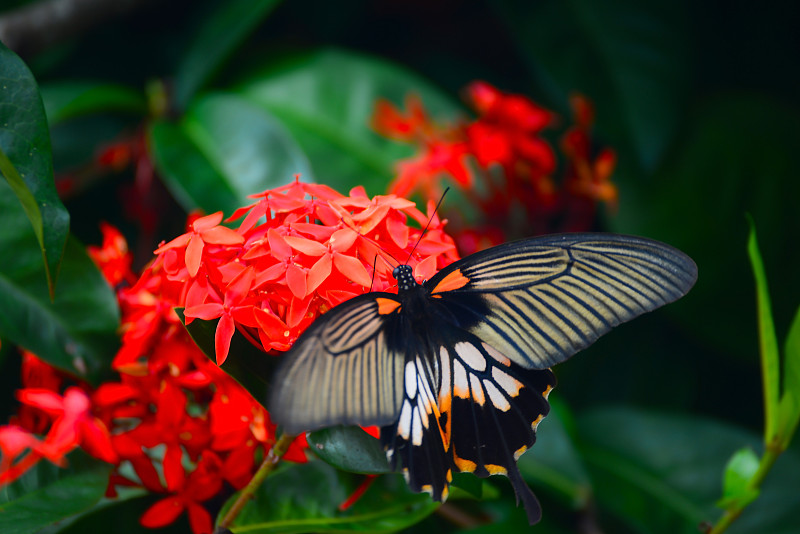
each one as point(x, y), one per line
point(222, 32)
point(77, 330)
point(49, 505)
point(66, 100)
point(326, 99)
point(630, 57)
point(768, 341)
point(349, 448)
point(25, 161)
point(660, 473)
point(553, 462)
point(790, 401)
point(306, 498)
point(223, 150)
point(739, 472)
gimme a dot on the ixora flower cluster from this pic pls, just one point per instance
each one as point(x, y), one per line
point(174, 423)
point(504, 167)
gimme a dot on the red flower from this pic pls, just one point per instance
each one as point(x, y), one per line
point(205, 230)
point(113, 257)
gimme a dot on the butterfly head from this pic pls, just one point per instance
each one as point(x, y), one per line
point(405, 277)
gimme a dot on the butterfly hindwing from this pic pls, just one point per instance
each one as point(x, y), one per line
point(539, 301)
point(342, 370)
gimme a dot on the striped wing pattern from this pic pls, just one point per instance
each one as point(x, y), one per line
point(341, 371)
point(545, 299)
point(456, 372)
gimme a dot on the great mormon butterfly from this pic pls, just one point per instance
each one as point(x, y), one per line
point(455, 370)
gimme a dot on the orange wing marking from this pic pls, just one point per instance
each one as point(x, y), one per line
point(454, 280)
point(386, 306)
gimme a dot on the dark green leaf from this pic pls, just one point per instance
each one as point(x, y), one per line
point(223, 150)
point(25, 161)
point(768, 340)
point(326, 99)
point(630, 57)
point(77, 330)
point(738, 473)
point(56, 502)
point(306, 498)
point(349, 448)
point(661, 473)
point(221, 33)
point(66, 100)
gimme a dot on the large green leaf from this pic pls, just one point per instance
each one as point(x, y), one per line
point(53, 503)
point(26, 163)
point(306, 497)
point(65, 100)
point(349, 448)
point(326, 99)
point(222, 31)
point(630, 57)
point(77, 330)
point(663, 473)
point(223, 150)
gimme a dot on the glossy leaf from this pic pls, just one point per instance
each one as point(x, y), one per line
point(661, 473)
point(76, 331)
point(66, 100)
point(768, 341)
point(349, 448)
point(221, 33)
point(223, 150)
point(326, 99)
point(306, 497)
point(26, 163)
point(51, 504)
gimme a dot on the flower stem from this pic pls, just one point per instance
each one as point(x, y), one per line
point(267, 466)
point(771, 454)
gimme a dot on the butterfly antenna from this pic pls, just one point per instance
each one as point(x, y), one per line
point(438, 204)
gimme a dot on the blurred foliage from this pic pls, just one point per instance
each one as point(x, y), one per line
point(700, 101)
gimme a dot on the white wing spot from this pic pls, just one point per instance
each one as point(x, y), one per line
point(416, 430)
point(477, 390)
point(509, 384)
point(497, 398)
point(496, 354)
point(471, 355)
point(404, 423)
point(411, 380)
point(460, 383)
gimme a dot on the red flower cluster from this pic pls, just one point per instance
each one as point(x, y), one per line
point(501, 162)
point(175, 423)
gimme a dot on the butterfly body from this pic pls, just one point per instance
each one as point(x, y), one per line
point(455, 371)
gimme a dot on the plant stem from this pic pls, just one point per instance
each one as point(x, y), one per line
point(267, 466)
point(773, 450)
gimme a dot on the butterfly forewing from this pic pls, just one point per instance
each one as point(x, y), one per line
point(542, 300)
point(341, 371)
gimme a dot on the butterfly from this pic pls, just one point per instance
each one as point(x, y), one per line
point(456, 370)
